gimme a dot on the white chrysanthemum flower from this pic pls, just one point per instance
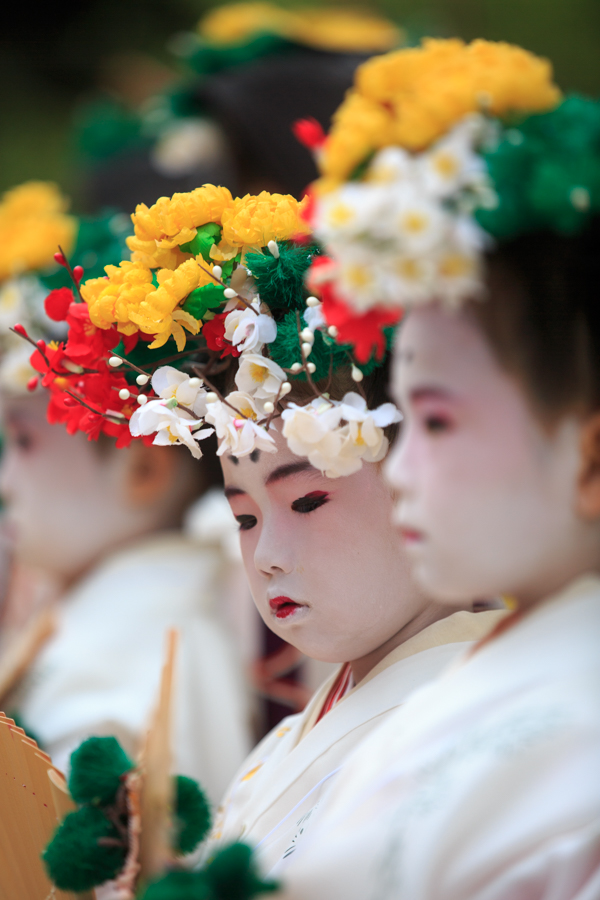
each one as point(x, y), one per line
point(259, 376)
point(459, 276)
point(248, 331)
point(349, 210)
point(392, 165)
point(172, 426)
point(171, 384)
point(409, 279)
point(452, 163)
point(365, 426)
point(417, 223)
point(360, 278)
point(236, 425)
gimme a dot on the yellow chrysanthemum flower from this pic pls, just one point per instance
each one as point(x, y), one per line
point(174, 220)
point(412, 97)
point(235, 23)
point(255, 220)
point(33, 222)
point(329, 28)
point(345, 30)
point(129, 298)
point(113, 299)
point(154, 315)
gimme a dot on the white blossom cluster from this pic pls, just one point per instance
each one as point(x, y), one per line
point(405, 233)
point(336, 436)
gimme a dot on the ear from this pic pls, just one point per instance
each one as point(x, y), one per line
point(150, 473)
point(588, 487)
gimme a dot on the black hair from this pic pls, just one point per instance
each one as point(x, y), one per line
point(542, 317)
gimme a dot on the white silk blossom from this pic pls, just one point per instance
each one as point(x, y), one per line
point(338, 436)
point(249, 329)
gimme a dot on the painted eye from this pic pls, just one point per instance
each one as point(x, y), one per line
point(436, 424)
point(246, 522)
point(310, 502)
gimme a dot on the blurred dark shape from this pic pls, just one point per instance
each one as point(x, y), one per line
point(254, 106)
point(257, 106)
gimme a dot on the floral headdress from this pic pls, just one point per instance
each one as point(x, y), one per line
point(212, 282)
point(436, 153)
point(34, 222)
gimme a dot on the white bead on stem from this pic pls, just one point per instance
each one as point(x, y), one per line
point(307, 335)
point(230, 293)
point(332, 331)
point(194, 382)
point(311, 367)
point(142, 399)
point(312, 301)
point(295, 367)
point(307, 348)
point(274, 249)
point(142, 380)
point(217, 271)
point(115, 361)
point(124, 394)
point(357, 375)
point(211, 397)
point(268, 407)
point(285, 388)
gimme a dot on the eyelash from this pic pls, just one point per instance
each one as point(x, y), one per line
point(246, 522)
point(436, 424)
point(310, 502)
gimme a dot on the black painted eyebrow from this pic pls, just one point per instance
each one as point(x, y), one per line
point(290, 469)
point(278, 474)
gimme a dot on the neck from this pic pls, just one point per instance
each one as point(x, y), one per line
point(433, 612)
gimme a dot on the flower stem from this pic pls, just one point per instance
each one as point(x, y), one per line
point(71, 275)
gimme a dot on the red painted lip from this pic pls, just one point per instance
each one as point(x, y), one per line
point(411, 535)
point(283, 606)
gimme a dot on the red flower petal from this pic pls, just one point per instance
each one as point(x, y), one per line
point(309, 132)
point(57, 304)
point(364, 332)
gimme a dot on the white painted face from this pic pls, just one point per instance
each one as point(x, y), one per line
point(326, 571)
point(65, 500)
point(487, 496)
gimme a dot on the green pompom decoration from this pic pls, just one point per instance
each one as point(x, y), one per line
point(96, 769)
point(179, 886)
point(74, 859)
point(206, 236)
point(280, 281)
point(546, 172)
point(232, 875)
point(326, 352)
point(192, 815)
point(209, 296)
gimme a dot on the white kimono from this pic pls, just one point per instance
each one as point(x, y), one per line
point(484, 786)
point(99, 673)
point(278, 788)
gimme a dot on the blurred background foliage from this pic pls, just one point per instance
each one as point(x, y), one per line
point(55, 55)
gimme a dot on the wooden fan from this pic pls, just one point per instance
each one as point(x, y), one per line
point(150, 794)
point(33, 800)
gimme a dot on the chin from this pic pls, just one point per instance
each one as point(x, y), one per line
point(440, 587)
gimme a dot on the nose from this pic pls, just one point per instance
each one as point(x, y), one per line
point(398, 468)
point(274, 552)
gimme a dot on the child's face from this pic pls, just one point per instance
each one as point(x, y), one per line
point(326, 571)
point(487, 495)
point(65, 501)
